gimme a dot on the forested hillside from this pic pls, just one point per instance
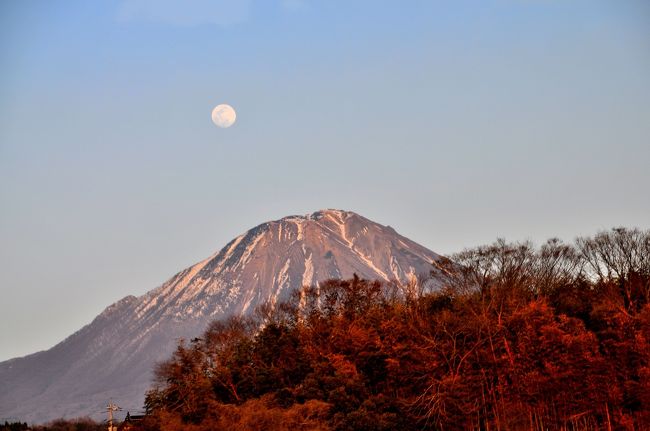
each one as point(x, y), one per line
point(519, 337)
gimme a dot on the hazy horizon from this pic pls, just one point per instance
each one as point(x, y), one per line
point(455, 123)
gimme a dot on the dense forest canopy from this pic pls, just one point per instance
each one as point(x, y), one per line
point(514, 337)
point(509, 336)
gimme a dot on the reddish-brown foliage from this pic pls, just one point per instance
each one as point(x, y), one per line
point(518, 338)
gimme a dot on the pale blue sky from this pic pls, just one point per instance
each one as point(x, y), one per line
point(453, 121)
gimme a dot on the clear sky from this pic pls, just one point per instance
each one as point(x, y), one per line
point(455, 122)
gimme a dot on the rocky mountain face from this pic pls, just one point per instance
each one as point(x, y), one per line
point(113, 356)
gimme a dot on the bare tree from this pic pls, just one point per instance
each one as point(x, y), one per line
point(620, 255)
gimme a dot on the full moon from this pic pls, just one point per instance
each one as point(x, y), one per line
point(224, 116)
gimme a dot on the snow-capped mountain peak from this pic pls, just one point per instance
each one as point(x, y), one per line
point(114, 355)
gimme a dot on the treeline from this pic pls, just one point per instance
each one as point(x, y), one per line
point(510, 337)
point(78, 424)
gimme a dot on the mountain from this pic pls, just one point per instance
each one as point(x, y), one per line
point(113, 356)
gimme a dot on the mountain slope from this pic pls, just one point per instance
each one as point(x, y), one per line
point(114, 355)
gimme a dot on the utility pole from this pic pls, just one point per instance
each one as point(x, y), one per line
point(110, 408)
